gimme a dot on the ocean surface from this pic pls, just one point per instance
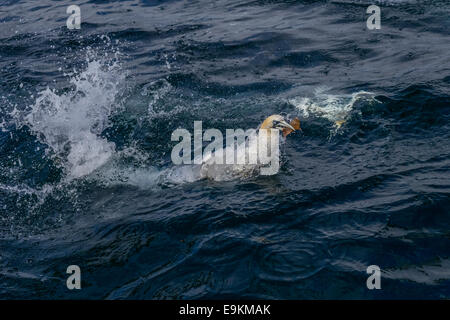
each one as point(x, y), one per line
point(86, 176)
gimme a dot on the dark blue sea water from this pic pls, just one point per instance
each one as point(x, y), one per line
point(86, 176)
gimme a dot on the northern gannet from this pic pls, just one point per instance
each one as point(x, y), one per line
point(216, 167)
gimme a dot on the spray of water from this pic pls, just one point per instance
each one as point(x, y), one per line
point(335, 108)
point(71, 123)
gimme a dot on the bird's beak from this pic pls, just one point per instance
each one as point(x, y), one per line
point(293, 126)
point(284, 124)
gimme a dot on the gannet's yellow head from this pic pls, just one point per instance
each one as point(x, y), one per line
point(278, 122)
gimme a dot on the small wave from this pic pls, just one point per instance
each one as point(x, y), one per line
point(376, 2)
point(431, 274)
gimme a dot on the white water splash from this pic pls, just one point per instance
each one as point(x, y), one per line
point(334, 108)
point(71, 123)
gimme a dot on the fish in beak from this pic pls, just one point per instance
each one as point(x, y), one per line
point(293, 126)
point(282, 124)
